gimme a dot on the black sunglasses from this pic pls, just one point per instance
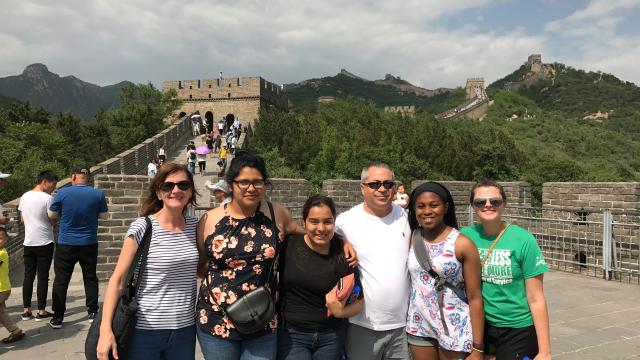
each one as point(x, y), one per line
point(182, 185)
point(375, 185)
point(495, 202)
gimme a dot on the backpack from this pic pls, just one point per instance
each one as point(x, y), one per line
point(192, 155)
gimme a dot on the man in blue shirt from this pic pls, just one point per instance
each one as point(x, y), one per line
point(78, 207)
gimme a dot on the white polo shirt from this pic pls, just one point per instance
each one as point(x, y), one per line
point(382, 245)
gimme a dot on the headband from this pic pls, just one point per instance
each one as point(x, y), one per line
point(433, 187)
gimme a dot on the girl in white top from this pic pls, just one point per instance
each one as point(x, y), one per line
point(167, 291)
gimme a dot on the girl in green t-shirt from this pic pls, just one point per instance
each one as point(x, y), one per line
point(517, 322)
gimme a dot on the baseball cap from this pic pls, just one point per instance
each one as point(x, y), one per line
point(220, 185)
point(82, 169)
point(3, 175)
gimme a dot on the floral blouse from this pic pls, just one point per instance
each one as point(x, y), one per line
point(239, 254)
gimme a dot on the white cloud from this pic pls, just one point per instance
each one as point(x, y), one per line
point(285, 41)
point(600, 46)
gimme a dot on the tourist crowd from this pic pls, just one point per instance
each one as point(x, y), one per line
point(394, 277)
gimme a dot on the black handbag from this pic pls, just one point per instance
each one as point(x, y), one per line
point(124, 315)
point(253, 311)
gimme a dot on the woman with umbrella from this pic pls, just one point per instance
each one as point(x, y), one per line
point(201, 152)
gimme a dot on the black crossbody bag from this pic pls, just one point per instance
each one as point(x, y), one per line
point(253, 311)
point(124, 315)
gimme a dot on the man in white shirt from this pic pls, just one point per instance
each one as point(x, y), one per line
point(379, 232)
point(38, 243)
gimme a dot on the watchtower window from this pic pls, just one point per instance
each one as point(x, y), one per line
point(218, 82)
point(229, 85)
point(179, 84)
point(209, 86)
point(190, 87)
point(209, 96)
point(190, 96)
point(229, 95)
point(198, 84)
point(238, 82)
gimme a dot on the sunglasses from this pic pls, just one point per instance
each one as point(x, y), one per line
point(375, 185)
point(182, 185)
point(495, 202)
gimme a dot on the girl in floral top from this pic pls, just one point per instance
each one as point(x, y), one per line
point(450, 328)
point(238, 243)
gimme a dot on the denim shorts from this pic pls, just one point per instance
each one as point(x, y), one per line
point(421, 340)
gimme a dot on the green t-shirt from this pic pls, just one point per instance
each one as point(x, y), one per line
point(515, 257)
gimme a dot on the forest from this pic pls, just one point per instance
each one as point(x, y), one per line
point(32, 139)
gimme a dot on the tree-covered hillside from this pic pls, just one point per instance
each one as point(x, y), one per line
point(305, 94)
point(337, 139)
point(577, 93)
point(33, 139)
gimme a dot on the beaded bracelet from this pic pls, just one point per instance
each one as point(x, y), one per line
point(478, 350)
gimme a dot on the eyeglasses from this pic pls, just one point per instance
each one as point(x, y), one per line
point(495, 202)
point(375, 185)
point(244, 184)
point(182, 185)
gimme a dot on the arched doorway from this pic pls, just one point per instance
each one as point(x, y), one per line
point(229, 120)
point(182, 114)
point(208, 118)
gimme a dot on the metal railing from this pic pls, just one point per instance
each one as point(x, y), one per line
point(595, 243)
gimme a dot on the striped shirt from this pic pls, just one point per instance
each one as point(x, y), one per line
point(167, 289)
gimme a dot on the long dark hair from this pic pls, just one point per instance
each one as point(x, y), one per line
point(443, 193)
point(152, 204)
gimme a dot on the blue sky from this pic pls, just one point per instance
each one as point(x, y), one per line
point(431, 43)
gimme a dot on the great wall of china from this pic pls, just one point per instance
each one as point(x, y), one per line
point(575, 214)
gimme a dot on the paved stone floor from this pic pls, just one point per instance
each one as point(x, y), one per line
point(590, 319)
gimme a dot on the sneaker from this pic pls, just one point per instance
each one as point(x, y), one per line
point(27, 315)
point(56, 323)
point(42, 317)
point(92, 316)
point(13, 337)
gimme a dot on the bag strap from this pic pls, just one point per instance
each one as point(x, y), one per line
point(139, 262)
point(486, 256)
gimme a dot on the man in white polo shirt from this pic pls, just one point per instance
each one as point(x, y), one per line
point(379, 232)
point(38, 243)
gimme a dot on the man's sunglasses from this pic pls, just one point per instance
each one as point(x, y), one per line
point(375, 185)
point(182, 185)
point(495, 202)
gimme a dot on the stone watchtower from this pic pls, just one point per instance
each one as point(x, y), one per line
point(535, 62)
point(215, 98)
point(475, 88)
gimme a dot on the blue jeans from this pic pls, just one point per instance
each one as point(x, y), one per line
point(299, 345)
point(163, 344)
point(217, 348)
point(192, 167)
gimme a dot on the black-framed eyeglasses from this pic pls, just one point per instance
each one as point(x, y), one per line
point(495, 202)
point(244, 184)
point(182, 185)
point(375, 185)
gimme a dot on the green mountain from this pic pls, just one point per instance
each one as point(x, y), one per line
point(40, 87)
point(575, 92)
point(390, 91)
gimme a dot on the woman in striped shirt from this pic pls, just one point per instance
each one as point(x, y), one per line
point(165, 327)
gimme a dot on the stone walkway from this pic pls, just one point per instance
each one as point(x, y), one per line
point(591, 319)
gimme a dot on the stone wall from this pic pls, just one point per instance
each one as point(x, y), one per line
point(616, 196)
point(242, 97)
point(518, 192)
point(125, 194)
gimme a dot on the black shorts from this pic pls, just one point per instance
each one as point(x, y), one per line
point(510, 343)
